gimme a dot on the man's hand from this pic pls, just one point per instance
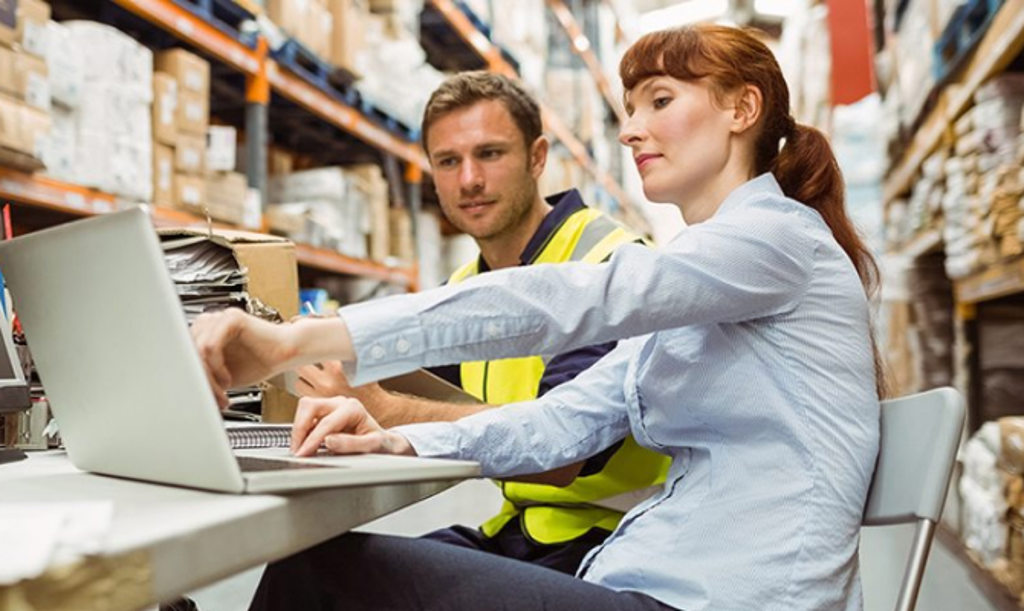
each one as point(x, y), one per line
point(344, 426)
point(238, 349)
point(324, 380)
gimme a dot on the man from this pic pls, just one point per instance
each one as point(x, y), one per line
point(483, 136)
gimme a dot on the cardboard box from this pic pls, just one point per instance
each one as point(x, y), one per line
point(272, 281)
point(221, 145)
point(25, 77)
point(8, 22)
point(272, 275)
point(190, 155)
point(189, 193)
point(31, 34)
point(347, 32)
point(112, 57)
point(193, 113)
point(163, 175)
point(280, 161)
point(289, 15)
point(402, 245)
point(319, 28)
point(22, 128)
point(191, 71)
point(165, 108)
point(225, 196)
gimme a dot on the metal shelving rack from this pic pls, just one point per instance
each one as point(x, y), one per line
point(263, 76)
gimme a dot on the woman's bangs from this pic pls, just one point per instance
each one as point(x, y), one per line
point(674, 53)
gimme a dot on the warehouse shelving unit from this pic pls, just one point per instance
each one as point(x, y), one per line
point(1003, 41)
point(261, 78)
point(584, 49)
point(997, 284)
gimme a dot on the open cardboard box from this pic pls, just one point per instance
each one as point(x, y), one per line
point(272, 282)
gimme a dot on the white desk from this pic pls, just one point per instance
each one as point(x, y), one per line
point(165, 541)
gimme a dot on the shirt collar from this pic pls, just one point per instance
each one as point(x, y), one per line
point(764, 183)
point(563, 205)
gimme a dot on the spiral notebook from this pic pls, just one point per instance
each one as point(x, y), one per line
point(421, 383)
point(252, 435)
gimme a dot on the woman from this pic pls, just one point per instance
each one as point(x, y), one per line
point(751, 364)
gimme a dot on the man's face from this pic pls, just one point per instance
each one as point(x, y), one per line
point(484, 173)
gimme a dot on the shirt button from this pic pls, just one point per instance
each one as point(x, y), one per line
point(492, 330)
point(402, 345)
point(377, 353)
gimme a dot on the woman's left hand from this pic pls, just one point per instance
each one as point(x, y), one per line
point(343, 426)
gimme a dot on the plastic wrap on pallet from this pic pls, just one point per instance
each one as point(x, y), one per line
point(58, 150)
point(981, 493)
point(396, 77)
point(429, 257)
point(914, 72)
point(525, 28)
point(113, 57)
point(64, 63)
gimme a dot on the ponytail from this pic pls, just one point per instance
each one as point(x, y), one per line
point(808, 172)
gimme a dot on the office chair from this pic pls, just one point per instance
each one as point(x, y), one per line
point(919, 440)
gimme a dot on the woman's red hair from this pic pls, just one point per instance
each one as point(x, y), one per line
point(727, 59)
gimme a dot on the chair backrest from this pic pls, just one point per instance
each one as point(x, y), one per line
point(919, 440)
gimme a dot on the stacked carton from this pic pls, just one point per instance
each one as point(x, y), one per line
point(396, 76)
point(932, 308)
point(101, 127)
point(64, 65)
point(182, 90)
point(311, 22)
point(343, 209)
point(24, 85)
point(348, 19)
point(227, 191)
point(992, 491)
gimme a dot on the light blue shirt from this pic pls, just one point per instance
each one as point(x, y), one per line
point(750, 364)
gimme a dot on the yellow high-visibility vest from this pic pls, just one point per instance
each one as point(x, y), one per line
point(550, 514)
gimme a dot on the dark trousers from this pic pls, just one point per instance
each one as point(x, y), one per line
point(381, 572)
point(511, 542)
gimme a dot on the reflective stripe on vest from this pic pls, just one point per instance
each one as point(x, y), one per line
point(550, 514)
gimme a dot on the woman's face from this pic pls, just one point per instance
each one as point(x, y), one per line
point(680, 139)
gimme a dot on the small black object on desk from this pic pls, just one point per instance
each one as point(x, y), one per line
point(11, 455)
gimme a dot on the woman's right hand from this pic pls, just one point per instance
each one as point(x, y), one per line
point(343, 426)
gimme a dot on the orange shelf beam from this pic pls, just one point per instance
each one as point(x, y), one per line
point(190, 28)
point(342, 115)
point(581, 45)
point(330, 261)
point(308, 256)
point(52, 194)
point(49, 194)
point(474, 37)
point(186, 26)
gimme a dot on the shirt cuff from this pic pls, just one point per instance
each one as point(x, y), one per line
point(430, 439)
point(385, 343)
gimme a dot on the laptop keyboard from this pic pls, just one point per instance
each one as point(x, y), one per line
point(250, 464)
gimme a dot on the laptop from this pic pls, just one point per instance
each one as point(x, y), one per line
point(124, 380)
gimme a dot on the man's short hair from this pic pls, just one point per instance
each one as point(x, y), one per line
point(467, 88)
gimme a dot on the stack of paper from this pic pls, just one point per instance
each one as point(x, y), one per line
point(207, 278)
point(206, 275)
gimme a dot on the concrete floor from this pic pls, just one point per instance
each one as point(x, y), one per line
point(884, 551)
